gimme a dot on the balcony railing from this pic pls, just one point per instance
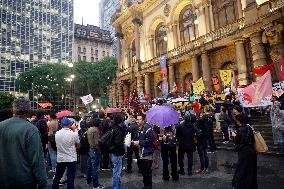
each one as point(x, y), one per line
point(150, 63)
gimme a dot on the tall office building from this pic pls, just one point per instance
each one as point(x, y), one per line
point(33, 32)
point(107, 10)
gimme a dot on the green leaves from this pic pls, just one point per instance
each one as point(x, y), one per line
point(6, 100)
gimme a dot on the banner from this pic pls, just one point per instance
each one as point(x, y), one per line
point(164, 70)
point(260, 89)
point(87, 99)
point(263, 69)
point(45, 104)
point(198, 86)
point(215, 82)
point(278, 89)
point(226, 77)
point(246, 100)
point(165, 88)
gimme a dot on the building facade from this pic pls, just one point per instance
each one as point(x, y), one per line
point(107, 10)
point(33, 32)
point(198, 38)
point(91, 43)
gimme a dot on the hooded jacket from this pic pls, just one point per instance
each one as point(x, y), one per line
point(146, 140)
point(185, 134)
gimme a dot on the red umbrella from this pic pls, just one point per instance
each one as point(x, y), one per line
point(63, 114)
point(112, 110)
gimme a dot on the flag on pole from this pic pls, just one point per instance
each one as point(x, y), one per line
point(87, 99)
point(260, 89)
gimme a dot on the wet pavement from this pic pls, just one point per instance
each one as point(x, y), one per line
point(221, 170)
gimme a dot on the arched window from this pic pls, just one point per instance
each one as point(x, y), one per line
point(186, 25)
point(161, 40)
point(224, 12)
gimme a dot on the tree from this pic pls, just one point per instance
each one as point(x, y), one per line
point(47, 80)
point(6, 100)
point(94, 78)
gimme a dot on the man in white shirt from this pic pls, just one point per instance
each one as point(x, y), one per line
point(66, 142)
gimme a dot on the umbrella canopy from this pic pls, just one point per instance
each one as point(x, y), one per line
point(112, 110)
point(63, 114)
point(179, 100)
point(162, 116)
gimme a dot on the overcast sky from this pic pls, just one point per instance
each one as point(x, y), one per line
point(88, 9)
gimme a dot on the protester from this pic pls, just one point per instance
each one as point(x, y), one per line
point(156, 146)
point(275, 120)
point(117, 149)
point(95, 156)
point(21, 160)
point(134, 131)
point(66, 143)
point(105, 126)
point(224, 123)
point(145, 143)
point(168, 152)
point(209, 121)
point(245, 176)
point(185, 134)
point(52, 128)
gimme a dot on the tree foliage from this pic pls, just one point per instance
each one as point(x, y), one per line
point(94, 78)
point(6, 100)
point(47, 79)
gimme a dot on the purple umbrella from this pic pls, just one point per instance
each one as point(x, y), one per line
point(162, 116)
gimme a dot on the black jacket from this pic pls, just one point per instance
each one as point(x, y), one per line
point(146, 140)
point(133, 129)
point(117, 142)
point(244, 138)
point(202, 135)
point(185, 134)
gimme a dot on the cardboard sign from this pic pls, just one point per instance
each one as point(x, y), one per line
point(226, 77)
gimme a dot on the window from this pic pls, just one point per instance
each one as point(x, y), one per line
point(92, 59)
point(79, 49)
point(84, 50)
point(187, 26)
point(96, 53)
point(160, 38)
point(97, 59)
point(224, 12)
point(133, 52)
point(104, 53)
point(79, 58)
point(84, 58)
point(107, 53)
point(92, 50)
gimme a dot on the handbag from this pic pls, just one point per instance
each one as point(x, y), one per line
point(127, 140)
point(260, 144)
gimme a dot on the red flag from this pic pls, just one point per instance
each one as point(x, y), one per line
point(282, 68)
point(259, 90)
point(178, 86)
point(263, 69)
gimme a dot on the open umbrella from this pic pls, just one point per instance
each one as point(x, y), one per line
point(112, 110)
point(162, 116)
point(179, 100)
point(63, 114)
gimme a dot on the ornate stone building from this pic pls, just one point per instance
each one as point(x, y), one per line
point(198, 37)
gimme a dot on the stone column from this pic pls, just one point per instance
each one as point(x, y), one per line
point(241, 63)
point(139, 84)
point(175, 35)
point(151, 45)
point(257, 49)
point(240, 9)
point(147, 84)
point(118, 45)
point(137, 22)
point(120, 95)
point(207, 18)
point(195, 68)
point(171, 77)
point(211, 15)
point(206, 71)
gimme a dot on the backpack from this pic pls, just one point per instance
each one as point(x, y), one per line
point(170, 138)
point(84, 144)
point(51, 140)
point(156, 142)
point(106, 139)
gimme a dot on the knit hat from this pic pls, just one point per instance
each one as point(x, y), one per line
point(65, 122)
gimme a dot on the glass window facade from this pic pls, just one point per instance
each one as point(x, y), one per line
point(33, 32)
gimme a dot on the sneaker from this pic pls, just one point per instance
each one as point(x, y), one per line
point(199, 171)
point(63, 183)
point(181, 172)
point(99, 187)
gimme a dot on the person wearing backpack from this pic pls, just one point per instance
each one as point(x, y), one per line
point(117, 149)
point(185, 134)
point(52, 128)
point(95, 156)
point(168, 152)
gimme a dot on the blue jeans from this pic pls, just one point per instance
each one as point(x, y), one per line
point(282, 143)
point(204, 161)
point(93, 169)
point(53, 156)
point(60, 169)
point(116, 171)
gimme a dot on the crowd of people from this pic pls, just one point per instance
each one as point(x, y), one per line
point(96, 142)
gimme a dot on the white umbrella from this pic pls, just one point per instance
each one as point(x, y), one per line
point(179, 100)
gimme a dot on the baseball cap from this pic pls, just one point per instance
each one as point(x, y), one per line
point(65, 122)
